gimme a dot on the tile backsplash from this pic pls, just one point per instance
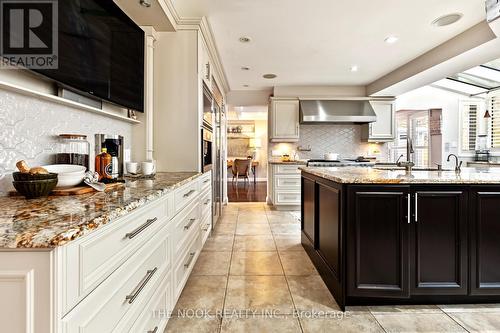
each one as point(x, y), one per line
point(342, 139)
point(29, 127)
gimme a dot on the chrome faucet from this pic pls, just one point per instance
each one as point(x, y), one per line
point(458, 166)
point(408, 164)
point(399, 158)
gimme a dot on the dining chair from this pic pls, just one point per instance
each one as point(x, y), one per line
point(241, 168)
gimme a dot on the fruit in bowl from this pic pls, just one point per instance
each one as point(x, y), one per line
point(33, 182)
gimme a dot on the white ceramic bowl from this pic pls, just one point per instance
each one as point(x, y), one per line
point(331, 157)
point(68, 175)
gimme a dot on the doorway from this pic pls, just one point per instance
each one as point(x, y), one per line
point(247, 154)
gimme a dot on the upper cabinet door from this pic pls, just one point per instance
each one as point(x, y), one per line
point(204, 64)
point(284, 120)
point(383, 130)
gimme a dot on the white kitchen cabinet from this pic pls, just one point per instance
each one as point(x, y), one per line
point(383, 130)
point(285, 185)
point(284, 120)
point(204, 63)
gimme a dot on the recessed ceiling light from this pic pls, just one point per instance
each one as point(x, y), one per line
point(269, 76)
point(246, 85)
point(447, 19)
point(354, 68)
point(245, 68)
point(145, 3)
point(391, 39)
point(245, 39)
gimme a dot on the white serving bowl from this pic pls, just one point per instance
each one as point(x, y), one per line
point(68, 175)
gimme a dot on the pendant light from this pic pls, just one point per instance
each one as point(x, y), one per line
point(487, 114)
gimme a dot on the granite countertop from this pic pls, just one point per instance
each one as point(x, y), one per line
point(364, 175)
point(296, 162)
point(54, 221)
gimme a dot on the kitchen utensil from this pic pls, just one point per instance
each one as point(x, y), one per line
point(132, 167)
point(22, 176)
point(92, 180)
point(331, 157)
point(67, 174)
point(148, 168)
point(35, 188)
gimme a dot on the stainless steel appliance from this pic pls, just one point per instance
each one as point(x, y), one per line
point(206, 149)
point(218, 163)
point(336, 111)
point(361, 162)
point(114, 145)
point(208, 113)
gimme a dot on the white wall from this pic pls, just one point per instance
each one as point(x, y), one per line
point(434, 98)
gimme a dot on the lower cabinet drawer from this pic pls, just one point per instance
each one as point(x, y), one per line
point(287, 169)
point(185, 194)
point(206, 181)
point(155, 315)
point(206, 204)
point(287, 198)
point(206, 228)
point(287, 182)
point(186, 226)
point(185, 265)
point(122, 292)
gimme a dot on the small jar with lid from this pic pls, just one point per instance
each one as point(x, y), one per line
point(73, 149)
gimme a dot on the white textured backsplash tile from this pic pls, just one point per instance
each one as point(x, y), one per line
point(29, 129)
point(342, 139)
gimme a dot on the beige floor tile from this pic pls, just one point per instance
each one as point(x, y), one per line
point(287, 242)
point(478, 322)
point(418, 322)
point(212, 263)
point(228, 219)
point(255, 263)
point(310, 293)
point(192, 325)
point(252, 218)
point(359, 323)
point(260, 325)
point(249, 229)
point(281, 219)
point(219, 243)
point(353, 310)
point(258, 293)
point(224, 229)
point(297, 263)
point(450, 308)
point(286, 228)
point(394, 309)
point(254, 243)
point(202, 293)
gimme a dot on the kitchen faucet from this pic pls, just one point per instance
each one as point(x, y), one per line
point(399, 158)
point(458, 166)
point(408, 164)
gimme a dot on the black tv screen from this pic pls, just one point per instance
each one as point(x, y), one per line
point(101, 52)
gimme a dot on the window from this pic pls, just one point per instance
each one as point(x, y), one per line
point(495, 121)
point(469, 129)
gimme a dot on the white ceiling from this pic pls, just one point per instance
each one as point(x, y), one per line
point(316, 42)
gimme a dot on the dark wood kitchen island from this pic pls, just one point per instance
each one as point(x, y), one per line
point(384, 237)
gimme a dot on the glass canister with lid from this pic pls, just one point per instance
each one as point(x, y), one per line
point(73, 149)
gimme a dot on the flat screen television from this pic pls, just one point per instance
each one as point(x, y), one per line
point(101, 52)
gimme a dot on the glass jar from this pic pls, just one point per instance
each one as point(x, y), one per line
point(73, 149)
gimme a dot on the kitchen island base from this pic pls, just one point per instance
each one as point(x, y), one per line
point(403, 243)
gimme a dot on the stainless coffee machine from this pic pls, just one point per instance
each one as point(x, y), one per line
point(114, 146)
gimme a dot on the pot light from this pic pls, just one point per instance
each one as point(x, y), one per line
point(447, 19)
point(145, 3)
point(391, 39)
point(354, 68)
point(245, 39)
point(245, 68)
point(246, 86)
point(269, 76)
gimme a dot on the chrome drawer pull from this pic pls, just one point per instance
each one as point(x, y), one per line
point(206, 181)
point(131, 298)
point(154, 330)
point(206, 202)
point(187, 226)
point(137, 231)
point(206, 229)
point(191, 257)
point(189, 193)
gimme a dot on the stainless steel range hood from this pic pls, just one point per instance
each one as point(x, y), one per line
point(336, 111)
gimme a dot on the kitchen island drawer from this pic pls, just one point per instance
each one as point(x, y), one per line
point(287, 182)
point(89, 261)
point(206, 203)
point(123, 291)
point(287, 198)
point(292, 169)
point(186, 194)
point(186, 226)
point(206, 228)
point(185, 265)
point(206, 181)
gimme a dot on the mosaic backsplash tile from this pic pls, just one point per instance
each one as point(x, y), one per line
point(29, 129)
point(342, 139)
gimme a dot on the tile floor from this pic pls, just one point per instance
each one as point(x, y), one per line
point(254, 271)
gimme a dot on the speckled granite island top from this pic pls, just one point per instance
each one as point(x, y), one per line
point(55, 221)
point(362, 175)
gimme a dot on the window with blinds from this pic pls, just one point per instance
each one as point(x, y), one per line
point(469, 126)
point(495, 121)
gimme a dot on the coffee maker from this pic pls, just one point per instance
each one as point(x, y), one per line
point(114, 146)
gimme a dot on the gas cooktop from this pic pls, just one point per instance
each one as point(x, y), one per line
point(343, 162)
